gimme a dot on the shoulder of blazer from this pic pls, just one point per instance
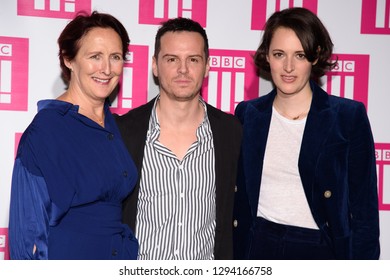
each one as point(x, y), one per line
point(249, 108)
point(222, 120)
point(322, 100)
point(136, 121)
point(133, 126)
point(138, 113)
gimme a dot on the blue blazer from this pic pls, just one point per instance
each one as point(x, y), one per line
point(337, 168)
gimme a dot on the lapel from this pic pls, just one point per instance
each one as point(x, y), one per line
point(134, 126)
point(256, 126)
point(317, 128)
point(138, 124)
point(218, 139)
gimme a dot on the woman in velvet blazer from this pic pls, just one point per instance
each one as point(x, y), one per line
point(336, 216)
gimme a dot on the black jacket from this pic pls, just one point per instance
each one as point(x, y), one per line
point(227, 134)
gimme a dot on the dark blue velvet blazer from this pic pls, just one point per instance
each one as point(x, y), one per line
point(337, 168)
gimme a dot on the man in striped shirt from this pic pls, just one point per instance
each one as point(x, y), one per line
point(186, 152)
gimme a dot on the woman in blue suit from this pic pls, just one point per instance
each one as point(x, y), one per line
point(72, 170)
point(307, 186)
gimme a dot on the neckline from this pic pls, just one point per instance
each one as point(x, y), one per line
point(285, 119)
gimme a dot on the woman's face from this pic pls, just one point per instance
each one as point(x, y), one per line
point(290, 70)
point(96, 69)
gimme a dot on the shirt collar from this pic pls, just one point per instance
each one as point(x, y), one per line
point(154, 125)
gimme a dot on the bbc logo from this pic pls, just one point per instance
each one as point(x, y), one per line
point(55, 5)
point(13, 73)
point(53, 8)
point(349, 79)
point(133, 90)
point(156, 11)
point(227, 61)
point(5, 49)
point(232, 79)
point(382, 155)
point(2, 247)
point(4, 252)
point(263, 9)
point(5, 71)
point(375, 17)
point(344, 66)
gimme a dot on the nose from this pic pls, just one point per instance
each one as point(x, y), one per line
point(183, 67)
point(288, 65)
point(106, 66)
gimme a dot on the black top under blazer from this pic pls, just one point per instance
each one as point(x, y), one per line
point(227, 134)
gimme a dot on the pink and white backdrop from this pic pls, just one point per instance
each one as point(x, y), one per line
point(29, 67)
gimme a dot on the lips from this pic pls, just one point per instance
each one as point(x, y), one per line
point(183, 82)
point(288, 79)
point(102, 81)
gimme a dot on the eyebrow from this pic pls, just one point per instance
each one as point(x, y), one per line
point(174, 55)
point(280, 50)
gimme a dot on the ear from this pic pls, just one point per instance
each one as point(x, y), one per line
point(154, 66)
point(68, 64)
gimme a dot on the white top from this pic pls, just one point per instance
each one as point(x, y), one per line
point(282, 198)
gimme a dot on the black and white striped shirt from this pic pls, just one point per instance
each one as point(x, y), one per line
point(176, 204)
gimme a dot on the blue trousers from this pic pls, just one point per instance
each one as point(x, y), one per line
point(273, 241)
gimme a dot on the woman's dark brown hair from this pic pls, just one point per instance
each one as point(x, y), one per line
point(310, 31)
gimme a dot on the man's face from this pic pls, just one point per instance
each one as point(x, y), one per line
point(181, 65)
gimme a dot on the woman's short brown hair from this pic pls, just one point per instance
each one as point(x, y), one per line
point(310, 31)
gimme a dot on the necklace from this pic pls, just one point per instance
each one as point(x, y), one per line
point(93, 116)
point(89, 115)
point(294, 118)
